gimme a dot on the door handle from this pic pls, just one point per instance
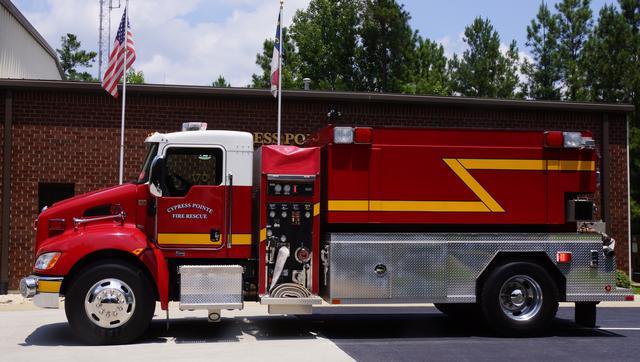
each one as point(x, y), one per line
point(215, 235)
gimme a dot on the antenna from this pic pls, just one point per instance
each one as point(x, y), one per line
point(104, 33)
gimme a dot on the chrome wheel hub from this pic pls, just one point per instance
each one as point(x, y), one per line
point(109, 303)
point(520, 298)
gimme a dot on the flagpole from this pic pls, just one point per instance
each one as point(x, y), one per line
point(279, 75)
point(124, 89)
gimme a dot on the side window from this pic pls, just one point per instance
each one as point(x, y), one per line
point(188, 167)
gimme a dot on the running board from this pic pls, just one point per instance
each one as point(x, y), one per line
point(291, 305)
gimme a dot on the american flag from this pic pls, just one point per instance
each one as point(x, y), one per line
point(115, 68)
point(275, 60)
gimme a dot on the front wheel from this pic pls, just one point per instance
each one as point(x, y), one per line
point(110, 303)
point(519, 299)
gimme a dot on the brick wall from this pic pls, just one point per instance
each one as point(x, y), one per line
point(70, 136)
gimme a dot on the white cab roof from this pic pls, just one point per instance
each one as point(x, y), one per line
point(230, 140)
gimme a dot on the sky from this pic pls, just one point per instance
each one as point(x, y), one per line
point(192, 42)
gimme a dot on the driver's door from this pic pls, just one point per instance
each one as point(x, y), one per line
point(192, 212)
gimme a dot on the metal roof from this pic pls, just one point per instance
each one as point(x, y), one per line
point(34, 33)
point(157, 89)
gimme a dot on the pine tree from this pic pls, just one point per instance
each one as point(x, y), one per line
point(429, 70)
point(544, 73)
point(483, 70)
point(325, 35)
point(388, 45)
point(574, 23)
point(71, 57)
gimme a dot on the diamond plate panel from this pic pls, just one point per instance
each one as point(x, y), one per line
point(443, 267)
point(210, 286)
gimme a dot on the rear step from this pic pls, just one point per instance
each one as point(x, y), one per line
point(302, 305)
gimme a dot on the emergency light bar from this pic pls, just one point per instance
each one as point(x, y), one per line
point(558, 139)
point(194, 126)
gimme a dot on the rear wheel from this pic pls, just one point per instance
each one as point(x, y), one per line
point(519, 299)
point(110, 303)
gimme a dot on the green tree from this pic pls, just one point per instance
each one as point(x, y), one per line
point(429, 70)
point(542, 39)
point(610, 53)
point(483, 70)
point(72, 57)
point(388, 45)
point(574, 24)
point(325, 35)
point(612, 66)
point(220, 82)
point(134, 77)
point(290, 64)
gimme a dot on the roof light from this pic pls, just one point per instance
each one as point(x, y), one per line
point(363, 135)
point(343, 135)
point(572, 139)
point(194, 126)
point(553, 139)
point(558, 139)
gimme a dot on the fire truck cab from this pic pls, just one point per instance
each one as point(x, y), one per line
point(495, 224)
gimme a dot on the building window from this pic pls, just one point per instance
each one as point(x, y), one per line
point(50, 193)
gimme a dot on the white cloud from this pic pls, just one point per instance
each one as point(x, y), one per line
point(174, 45)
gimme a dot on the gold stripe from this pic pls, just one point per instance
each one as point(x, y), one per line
point(428, 206)
point(48, 286)
point(520, 165)
point(474, 185)
point(528, 165)
point(199, 239)
point(460, 167)
point(571, 165)
point(348, 205)
point(316, 209)
point(240, 239)
point(263, 234)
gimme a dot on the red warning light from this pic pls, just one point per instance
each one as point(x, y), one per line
point(563, 257)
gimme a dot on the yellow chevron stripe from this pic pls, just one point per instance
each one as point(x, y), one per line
point(474, 185)
point(263, 234)
point(316, 209)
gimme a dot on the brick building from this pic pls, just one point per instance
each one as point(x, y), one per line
point(63, 138)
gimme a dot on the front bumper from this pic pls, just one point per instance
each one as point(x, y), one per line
point(45, 291)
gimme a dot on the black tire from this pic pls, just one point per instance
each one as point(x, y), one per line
point(140, 312)
point(459, 311)
point(519, 313)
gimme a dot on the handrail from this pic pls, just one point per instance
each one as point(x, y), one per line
point(77, 221)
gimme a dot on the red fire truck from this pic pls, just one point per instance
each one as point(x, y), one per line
point(497, 224)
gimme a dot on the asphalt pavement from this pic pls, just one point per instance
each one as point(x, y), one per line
point(363, 333)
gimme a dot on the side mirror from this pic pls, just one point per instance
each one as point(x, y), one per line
point(157, 177)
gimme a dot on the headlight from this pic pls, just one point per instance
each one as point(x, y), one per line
point(47, 261)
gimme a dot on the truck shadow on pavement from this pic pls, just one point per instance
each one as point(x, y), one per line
point(351, 327)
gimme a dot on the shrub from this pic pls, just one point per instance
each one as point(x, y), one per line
point(622, 279)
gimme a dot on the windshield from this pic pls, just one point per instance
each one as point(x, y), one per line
point(146, 166)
